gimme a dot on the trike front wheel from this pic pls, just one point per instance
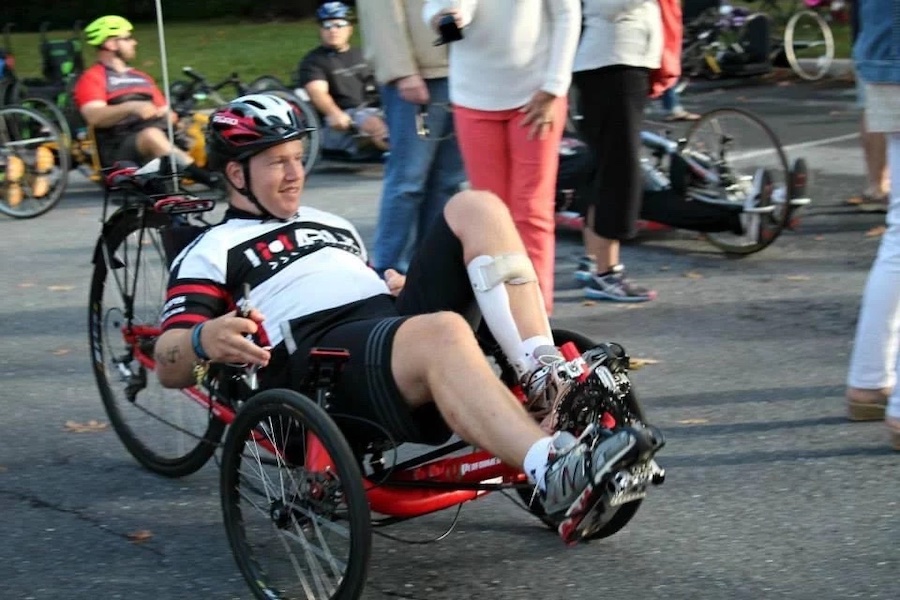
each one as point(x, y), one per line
point(293, 501)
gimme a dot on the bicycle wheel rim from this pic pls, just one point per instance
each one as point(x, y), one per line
point(750, 144)
point(34, 163)
point(809, 45)
point(162, 429)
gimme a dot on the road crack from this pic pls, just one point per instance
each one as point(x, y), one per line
point(80, 514)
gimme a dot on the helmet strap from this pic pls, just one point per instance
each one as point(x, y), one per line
point(245, 191)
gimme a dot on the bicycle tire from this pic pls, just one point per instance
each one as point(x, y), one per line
point(146, 424)
point(712, 126)
point(51, 111)
point(823, 63)
point(292, 500)
point(626, 511)
point(35, 143)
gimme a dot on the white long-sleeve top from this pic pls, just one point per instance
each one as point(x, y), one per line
point(510, 50)
point(620, 32)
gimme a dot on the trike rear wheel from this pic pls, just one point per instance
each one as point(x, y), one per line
point(293, 502)
point(629, 410)
point(162, 429)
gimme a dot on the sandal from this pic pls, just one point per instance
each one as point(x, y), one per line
point(681, 115)
point(867, 202)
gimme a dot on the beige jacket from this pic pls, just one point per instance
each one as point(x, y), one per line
point(397, 43)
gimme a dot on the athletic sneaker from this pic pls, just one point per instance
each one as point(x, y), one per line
point(545, 384)
point(575, 483)
point(615, 287)
point(585, 269)
point(758, 201)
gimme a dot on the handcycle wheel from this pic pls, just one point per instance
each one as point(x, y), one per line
point(732, 144)
point(34, 163)
point(631, 409)
point(162, 429)
point(297, 528)
point(808, 45)
point(53, 113)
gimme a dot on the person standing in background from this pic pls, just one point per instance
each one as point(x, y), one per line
point(621, 42)
point(874, 197)
point(423, 169)
point(509, 79)
point(872, 391)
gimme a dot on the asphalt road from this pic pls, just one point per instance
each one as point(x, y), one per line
point(770, 493)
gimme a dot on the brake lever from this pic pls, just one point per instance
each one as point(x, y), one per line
point(250, 371)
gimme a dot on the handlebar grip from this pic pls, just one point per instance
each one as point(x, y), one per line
point(192, 74)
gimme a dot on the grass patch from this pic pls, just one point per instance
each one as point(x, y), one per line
point(214, 48)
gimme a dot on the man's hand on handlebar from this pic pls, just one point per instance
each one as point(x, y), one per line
point(228, 339)
point(340, 121)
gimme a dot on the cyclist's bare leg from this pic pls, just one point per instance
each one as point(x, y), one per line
point(152, 143)
point(376, 130)
point(458, 379)
point(484, 226)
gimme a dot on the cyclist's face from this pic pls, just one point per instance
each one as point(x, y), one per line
point(276, 178)
point(125, 46)
point(336, 33)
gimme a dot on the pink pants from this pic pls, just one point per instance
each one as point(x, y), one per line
point(499, 157)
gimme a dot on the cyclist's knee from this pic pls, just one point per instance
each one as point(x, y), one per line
point(446, 330)
point(475, 206)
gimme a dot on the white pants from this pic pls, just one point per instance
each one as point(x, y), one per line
point(874, 362)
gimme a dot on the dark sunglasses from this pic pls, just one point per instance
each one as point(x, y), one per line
point(329, 25)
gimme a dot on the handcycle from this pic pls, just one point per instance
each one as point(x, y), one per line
point(34, 162)
point(703, 181)
point(722, 40)
point(300, 499)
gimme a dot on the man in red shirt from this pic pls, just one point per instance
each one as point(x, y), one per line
point(128, 112)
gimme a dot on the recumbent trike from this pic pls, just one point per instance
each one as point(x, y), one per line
point(299, 498)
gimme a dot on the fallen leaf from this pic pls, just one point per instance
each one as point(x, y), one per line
point(876, 231)
point(635, 363)
point(798, 278)
point(784, 83)
point(26, 284)
point(89, 427)
point(60, 288)
point(140, 536)
point(693, 275)
point(588, 303)
point(819, 238)
point(693, 421)
point(60, 352)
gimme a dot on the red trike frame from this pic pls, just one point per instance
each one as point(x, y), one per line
point(417, 487)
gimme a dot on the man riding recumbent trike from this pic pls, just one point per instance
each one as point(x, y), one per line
point(279, 298)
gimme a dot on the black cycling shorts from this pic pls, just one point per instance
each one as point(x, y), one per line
point(367, 404)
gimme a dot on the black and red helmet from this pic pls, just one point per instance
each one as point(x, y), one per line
point(248, 125)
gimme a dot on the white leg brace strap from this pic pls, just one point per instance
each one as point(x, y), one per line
point(488, 274)
point(491, 271)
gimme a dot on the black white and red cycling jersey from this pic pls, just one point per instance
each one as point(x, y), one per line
point(294, 269)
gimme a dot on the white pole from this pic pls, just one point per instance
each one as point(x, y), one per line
point(165, 81)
